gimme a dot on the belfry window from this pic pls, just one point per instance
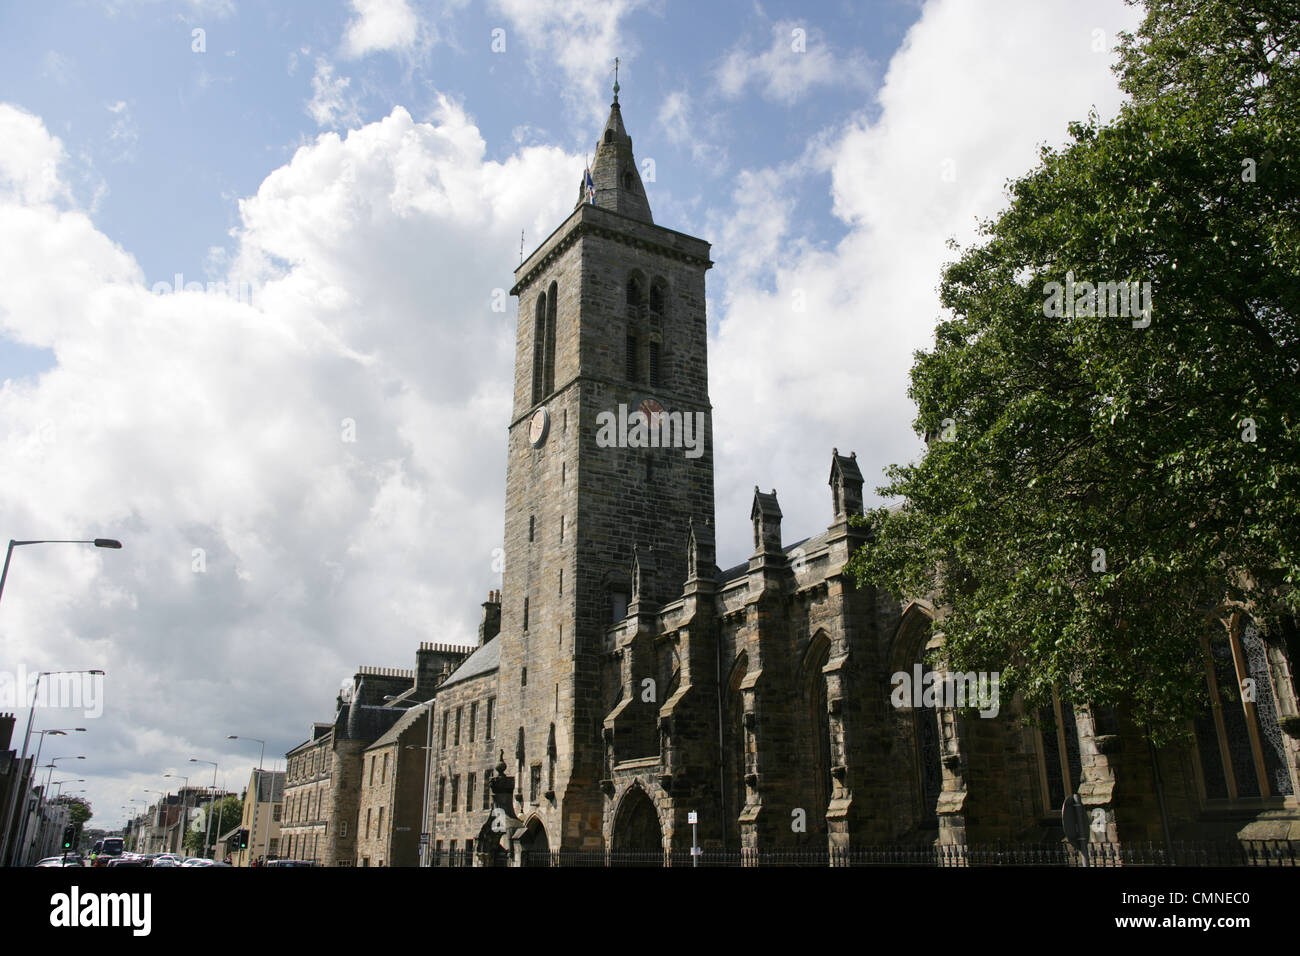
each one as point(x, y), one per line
point(633, 372)
point(544, 344)
point(548, 363)
point(539, 348)
point(657, 296)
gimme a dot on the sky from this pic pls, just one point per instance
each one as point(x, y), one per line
point(249, 256)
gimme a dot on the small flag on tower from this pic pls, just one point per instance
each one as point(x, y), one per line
point(591, 188)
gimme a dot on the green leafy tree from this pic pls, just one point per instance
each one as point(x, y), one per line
point(1100, 491)
point(226, 814)
point(78, 810)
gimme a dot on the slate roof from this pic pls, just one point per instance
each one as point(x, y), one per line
point(484, 660)
point(270, 786)
point(368, 721)
point(740, 570)
point(847, 464)
point(410, 716)
point(765, 503)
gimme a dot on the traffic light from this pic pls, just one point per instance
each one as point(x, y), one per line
point(243, 839)
point(69, 836)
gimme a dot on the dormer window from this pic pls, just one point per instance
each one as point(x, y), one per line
point(629, 181)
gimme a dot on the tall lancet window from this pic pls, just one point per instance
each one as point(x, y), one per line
point(539, 349)
point(548, 373)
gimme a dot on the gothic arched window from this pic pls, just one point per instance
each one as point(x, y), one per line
point(818, 729)
point(1239, 741)
point(1060, 766)
point(539, 348)
point(658, 296)
point(548, 365)
point(734, 762)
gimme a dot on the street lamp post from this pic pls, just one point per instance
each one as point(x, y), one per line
point(425, 829)
point(257, 786)
point(36, 763)
point(4, 575)
point(62, 797)
point(161, 804)
point(185, 813)
point(42, 803)
point(134, 820)
point(27, 737)
point(207, 830)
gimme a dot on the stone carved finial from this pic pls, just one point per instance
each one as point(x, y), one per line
point(692, 551)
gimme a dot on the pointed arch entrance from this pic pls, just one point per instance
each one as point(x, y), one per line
point(534, 845)
point(637, 837)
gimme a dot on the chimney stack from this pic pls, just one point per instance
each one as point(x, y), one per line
point(490, 624)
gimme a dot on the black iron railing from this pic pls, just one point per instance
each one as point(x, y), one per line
point(1268, 853)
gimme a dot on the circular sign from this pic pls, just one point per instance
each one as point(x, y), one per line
point(538, 427)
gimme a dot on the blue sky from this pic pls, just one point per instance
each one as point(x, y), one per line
point(165, 139)
point(365, 168)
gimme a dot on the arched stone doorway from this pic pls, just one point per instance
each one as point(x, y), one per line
point(637, 837)
point(535, 847)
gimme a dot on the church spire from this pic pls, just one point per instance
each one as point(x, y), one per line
point(614, 174)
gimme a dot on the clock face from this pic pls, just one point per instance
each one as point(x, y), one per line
point(651, 409)
point(538, 427)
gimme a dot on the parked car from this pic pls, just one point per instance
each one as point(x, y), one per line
point(128, 859)
point(60, 861)
point(289, 863)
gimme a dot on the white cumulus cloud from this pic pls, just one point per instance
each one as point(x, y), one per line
point(814, 344)
point(303, 482)
point(380, 25)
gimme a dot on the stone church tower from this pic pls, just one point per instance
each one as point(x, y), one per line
point(611, 322)
point(632, 683)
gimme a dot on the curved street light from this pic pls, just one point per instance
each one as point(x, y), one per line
point(27, 738)
point(112, 544)
point(207, 830)
point(185, 813)
point(256, 789)
point(41, 801)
